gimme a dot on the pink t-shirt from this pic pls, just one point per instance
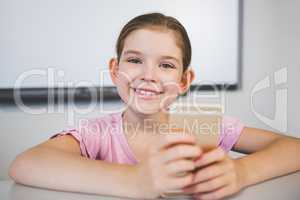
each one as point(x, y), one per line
point(103, 138)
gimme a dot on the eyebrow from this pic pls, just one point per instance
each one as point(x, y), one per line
point(140, 53)
point(132, 52)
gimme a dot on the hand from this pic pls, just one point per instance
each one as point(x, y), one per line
point(158, 173)
point(218, 176)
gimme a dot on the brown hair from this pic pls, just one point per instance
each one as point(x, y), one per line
point(153, 20)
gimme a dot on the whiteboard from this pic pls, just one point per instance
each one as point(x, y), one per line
point(68, 43)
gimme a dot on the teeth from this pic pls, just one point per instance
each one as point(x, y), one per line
point(146, 93)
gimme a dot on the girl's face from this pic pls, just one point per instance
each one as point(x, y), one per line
point(149, 75)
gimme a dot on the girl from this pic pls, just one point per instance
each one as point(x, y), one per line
point(101, 156)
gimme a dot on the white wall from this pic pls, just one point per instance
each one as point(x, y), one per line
point(75, 37)
point(271, 42)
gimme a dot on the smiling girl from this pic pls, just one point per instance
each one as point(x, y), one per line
point(150, 71)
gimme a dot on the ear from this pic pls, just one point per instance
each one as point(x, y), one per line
point(113, 69)
point(187, 78)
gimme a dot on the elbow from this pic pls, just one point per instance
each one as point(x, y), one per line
point(13, 169)
point(18, 169)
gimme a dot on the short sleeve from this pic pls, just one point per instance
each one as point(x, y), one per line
point(231, 129)
point(88, 135)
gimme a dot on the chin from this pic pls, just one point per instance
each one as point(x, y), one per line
point(147, 111)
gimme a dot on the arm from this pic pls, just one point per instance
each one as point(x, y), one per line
point(57, 164)
point(272, 155)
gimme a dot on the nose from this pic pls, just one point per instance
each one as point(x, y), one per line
point(149, 74)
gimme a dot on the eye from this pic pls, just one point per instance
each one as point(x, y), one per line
point(134, 60)
point(167, 65)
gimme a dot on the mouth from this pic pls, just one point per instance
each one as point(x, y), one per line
point(146, 93)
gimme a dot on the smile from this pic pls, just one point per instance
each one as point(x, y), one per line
point(146, 94)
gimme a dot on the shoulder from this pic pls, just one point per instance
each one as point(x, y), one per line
point(93, 134)
point(99, 124)
point(231, 129)
point(231, 125)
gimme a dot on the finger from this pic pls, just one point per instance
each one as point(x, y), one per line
point(209, 172)
point(173, 139)
point(182, 151)
point(177, 183)
point(217, 194)
point(215, 155)
point(207, 186)
point(179, 166)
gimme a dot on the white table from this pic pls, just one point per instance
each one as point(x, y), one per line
point(282, 188)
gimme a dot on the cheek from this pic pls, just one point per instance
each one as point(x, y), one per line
point(171, 84)
point(171, 92)
point(125, 77)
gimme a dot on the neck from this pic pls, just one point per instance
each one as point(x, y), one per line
point(143, 123)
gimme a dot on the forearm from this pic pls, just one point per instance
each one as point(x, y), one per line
point(54, 169)
point(278, 158)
